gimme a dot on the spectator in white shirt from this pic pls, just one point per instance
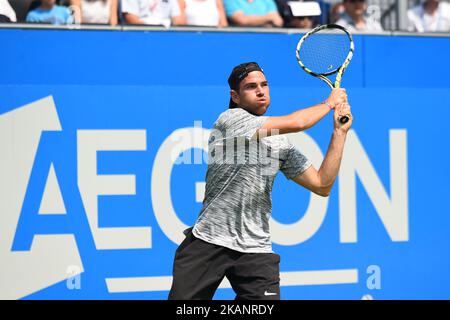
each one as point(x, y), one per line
point(152, 12)
point(7, 13)
point(354, 18)
point(96, 11)
point(430, 16)
point(204, 13)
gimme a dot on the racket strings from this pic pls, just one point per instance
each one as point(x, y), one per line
point(324, 52)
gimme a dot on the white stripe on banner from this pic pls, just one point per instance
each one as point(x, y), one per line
point(297, 278)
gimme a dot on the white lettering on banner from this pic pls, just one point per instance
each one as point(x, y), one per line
point(307, 226)
point(176, 144)
point(92, 185)
point(392, 211)
point(200, 191)
point(25, 272)
point(290, 278)
point(394, 215)
point(74, 282)
point(52, 201)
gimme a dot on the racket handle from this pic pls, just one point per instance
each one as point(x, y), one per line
point(343, 119)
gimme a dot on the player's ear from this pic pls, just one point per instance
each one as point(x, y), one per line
point(234, 96)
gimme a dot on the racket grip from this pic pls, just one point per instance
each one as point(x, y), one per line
point(343, 119)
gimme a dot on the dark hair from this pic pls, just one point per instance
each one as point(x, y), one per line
point(239, 73)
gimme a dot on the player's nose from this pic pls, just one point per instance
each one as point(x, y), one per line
point(259, 90)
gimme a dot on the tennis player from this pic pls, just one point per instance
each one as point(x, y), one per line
point(231, 235)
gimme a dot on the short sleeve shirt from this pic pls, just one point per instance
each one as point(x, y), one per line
point(241, 172)
point(57, 15)
point(152, 12)
point(371, 24)
point(249, 8)
point(421, 21)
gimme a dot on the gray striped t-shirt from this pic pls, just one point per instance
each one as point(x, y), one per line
point(241, 171)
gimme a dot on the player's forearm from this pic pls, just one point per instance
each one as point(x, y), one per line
point(330, 166)
point(308, 117)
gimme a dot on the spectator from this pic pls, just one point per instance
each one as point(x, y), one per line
point(7, 13)
point(204, 12)
point(152, 12)
point(432, 15)
point(305, 22)
point(336, 12)
point(354, 18)
point(291, 21)
point(96, 11)
point(253, 13)
point(49, 12)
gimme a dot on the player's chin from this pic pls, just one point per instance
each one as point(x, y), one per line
point(262, 107)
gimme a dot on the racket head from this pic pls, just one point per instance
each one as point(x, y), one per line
point(325, 50)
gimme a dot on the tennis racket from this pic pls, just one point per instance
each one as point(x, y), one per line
point(324, 51)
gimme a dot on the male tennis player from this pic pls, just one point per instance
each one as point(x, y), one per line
point(231, 235)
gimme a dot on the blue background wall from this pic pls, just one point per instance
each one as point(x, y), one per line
point(163, 81)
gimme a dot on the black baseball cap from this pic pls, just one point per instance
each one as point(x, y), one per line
point(238, 74)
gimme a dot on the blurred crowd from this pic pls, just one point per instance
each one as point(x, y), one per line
point(425, 16)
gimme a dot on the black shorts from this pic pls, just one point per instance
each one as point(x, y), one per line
point(199, 268)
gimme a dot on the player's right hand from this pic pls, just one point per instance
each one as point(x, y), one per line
point(339, 111)
point(337, 97)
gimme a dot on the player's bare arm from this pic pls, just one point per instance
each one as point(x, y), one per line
point(303, 119)
point(321, 182)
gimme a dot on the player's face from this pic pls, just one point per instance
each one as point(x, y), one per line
point(253, 93)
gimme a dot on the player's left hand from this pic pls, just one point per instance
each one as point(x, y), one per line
point(341, 110)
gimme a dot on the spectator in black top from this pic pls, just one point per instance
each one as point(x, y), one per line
point(291, 21)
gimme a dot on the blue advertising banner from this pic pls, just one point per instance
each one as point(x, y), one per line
point(103, 139)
